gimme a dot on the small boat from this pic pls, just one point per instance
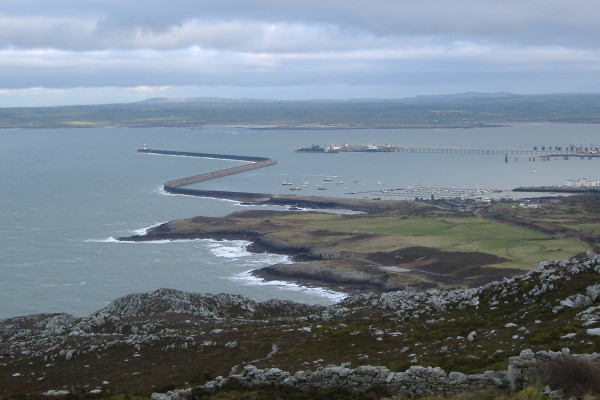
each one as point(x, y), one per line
point(286, 182)
point(296, 188)
point(321, 188)
point(327, 179)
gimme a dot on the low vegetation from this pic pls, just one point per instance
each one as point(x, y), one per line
point(420, 245)
point(452, 111)
point(137, 354)
point(576, 377)
point(132, 350)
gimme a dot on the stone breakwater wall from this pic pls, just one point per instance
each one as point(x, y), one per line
point(176, 186)
point(417, 381)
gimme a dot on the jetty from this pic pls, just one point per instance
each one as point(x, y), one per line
point(535, 152)
point(177, 186)
point(557, 189)
point(542, 152)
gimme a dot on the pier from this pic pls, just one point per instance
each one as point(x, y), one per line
point(541, 152)
point(473, 151)
point(548, 153)
point(177, 186)
point(557, 189)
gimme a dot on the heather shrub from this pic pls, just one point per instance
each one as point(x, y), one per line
point(531, 392)
point(575, 376)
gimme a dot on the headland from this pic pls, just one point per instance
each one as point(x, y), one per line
point(501, 336)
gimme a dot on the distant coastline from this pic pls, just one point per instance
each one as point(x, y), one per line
point(468, 110)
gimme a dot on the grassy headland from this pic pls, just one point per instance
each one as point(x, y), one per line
point(166, 339)
point(414, 245)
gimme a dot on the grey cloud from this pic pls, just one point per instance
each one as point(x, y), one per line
point(120, 23)
point(385, 45)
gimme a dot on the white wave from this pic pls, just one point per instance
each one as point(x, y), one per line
point(52, 285)
point(267, 259)
point(231, 249)
point(248, 279)
point(162, 241)
point(107, 240)
point(161, 190)
point(143, 231)
point(236, 249)
point(336, 211)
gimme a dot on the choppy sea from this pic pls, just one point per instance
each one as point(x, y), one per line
point(66, 194)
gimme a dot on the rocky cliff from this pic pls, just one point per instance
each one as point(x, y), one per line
point(406, 342)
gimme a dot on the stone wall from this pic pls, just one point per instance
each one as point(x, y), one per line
point(417, 381)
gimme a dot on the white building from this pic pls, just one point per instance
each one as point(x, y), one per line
point(526, 204)
point(582, 182)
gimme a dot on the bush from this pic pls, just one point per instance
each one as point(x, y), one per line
point(531, 392)
point(575, 376)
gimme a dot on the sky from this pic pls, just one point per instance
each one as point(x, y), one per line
point(62, 52)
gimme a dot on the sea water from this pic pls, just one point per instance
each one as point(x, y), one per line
point(67, 194)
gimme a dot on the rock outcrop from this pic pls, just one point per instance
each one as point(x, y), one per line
point(141, 339)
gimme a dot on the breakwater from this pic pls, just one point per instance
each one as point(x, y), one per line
point(557, 189)
point(177, 186)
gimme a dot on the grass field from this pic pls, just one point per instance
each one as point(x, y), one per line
point(523, 247)
point(593, 227)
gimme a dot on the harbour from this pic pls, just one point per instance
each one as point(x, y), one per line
point(176, 186)
point(70, 191)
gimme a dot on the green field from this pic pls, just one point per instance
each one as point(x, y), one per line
point(523, 247)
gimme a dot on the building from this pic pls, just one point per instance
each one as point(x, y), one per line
point(582, 182)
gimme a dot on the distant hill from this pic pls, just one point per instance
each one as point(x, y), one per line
point(457, 111)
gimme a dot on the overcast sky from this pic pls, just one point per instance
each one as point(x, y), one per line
point(55, 52)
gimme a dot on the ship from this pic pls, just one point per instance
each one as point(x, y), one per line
point(315, 148)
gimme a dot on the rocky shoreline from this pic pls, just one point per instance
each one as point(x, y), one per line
point(385, 336)
point(348, 280)
point(331, 259)
point(304, 271)
point(168, 339)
